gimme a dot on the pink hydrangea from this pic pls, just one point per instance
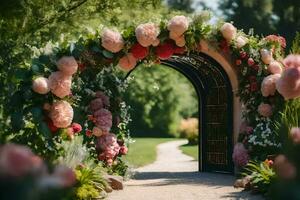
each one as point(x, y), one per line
point(292, 60)
point(265, 110)
point(268, 86)
point(16, 161)
point(228, 31)
point(112, 40)
point(240, 155)
point(146, 34)
point(60, 84)
point(275, 67)
point(61, 114)
point(295, 135)
point(41, 85)
point(67, 65)
point(266, 56)
point(103, 119)
point(177, 26)
point(109, 147)
point(127, 62)
point(289, 83)
point(96, 104)
point(103, 97)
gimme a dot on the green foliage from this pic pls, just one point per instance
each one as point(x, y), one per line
point(159, 98)
point(183, 5)
point(295, 49)
point(190, 150)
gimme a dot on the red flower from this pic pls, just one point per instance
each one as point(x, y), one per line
point(224, 46)
point(51, 126)
point(123, 150)
point(179, 50)
point(253, 86)
point(165, 51)
point(255, 67)
point(139, 52)
point(88, 133)
point(81, 66)
point(238, 62)
point(251, 62)
point(252, 79)
point(76, 127)
point(243, 55)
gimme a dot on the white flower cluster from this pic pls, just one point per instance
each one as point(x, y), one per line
point(263, 135)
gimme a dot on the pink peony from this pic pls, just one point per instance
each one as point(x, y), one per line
point(76, 127)
point(128, 62)
point(266, 56)
point(177, 26)
point(240, 155)
point(103, 97)
point(275, 67)
point(295, 135)
point(291, 61)
point(41, 85)
point(60, 84)
point(103, 119)
point(146, 34)
point(180, 41)
point(265, 110)
point(61, 114)
point(268, 86)
point(284, 168)
point(112, 40)
point(241, 41)
point(67, 65)
point(289, 83)
point(16, 161)
point(109, 147)
point(228, 31)
point(96, 104)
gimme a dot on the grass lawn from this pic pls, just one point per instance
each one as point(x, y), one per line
point(191, 150)
point(143, 151)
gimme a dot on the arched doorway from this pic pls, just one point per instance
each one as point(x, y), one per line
point(215, 109)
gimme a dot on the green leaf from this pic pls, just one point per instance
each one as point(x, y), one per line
point(43, 128)
point(107, 54)
point(37, 115)
point(17, 121)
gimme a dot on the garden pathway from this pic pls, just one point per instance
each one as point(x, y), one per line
point(174, 176)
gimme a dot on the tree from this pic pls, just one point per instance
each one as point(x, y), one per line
point(183, 5)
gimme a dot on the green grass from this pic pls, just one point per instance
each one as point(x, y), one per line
point(191, 150)
point(143, 151)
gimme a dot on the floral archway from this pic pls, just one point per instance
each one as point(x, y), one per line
point(74, 88)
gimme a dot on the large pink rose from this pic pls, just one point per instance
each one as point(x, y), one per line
point(177, 26)
point(67, 65)
point(228, 31)
point(146, 34)
point(103, 119)
point(60, 84)
point(112, 40)
point(289, 83)
point(127, 62)
point(292, 60)
point(295, 134)
point(268, 86)
point(240, 155)
point(41, 85)
point(265, 110)
point(275, 67)
point(61, 114)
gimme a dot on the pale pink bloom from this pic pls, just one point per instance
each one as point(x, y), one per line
point(65, 176)
point(266, 56)
point(180, 41)
point(295, 135)
point(127, 62)
point(241, 41)
point(292, 60)
point(41, 85)
point(67, 65)
point(268, 86)
point(109, 147)
point(61, 114)
point(96, 104)
point(146, 34)
point(240, 155)
point(112, 40)
point(97, 131)
point(103, 97)
point(265, 110)
point(284, 168)
point(289, 83)
point(275, 67)
point(103, 119)
point(177, 26)
point(60, 84)
point(228, 31)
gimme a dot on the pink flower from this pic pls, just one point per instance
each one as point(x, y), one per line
point(103, 97)
point(65, 175)
point(289, 83)
point(276, 38)
point(61, 114)
point(284, 168)
point(60, 84)
point(127, 62)
point(266, 56)
point(240, 155)
point(146, 34)
point(292, 61)
point(112, 40)
point(238, 62)
point(139, 52)
point(180, 41)
point(41, 85)
point(96, 104)
point(123, 150)
point(16, 161)
point(275, 67)
point(67, 65)
point(251, 62)
point(295, 135)
point(268, 86)
point(109, 147)
point(177, 26)
point(97, 131)
point(103, 119)
point(76, 127)
point(265, 110)
point(241, 41)
point(228, 31)
point(165, 51)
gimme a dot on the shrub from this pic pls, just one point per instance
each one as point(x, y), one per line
point(189, 129)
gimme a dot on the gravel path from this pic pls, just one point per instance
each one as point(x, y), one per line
point(174, 176)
